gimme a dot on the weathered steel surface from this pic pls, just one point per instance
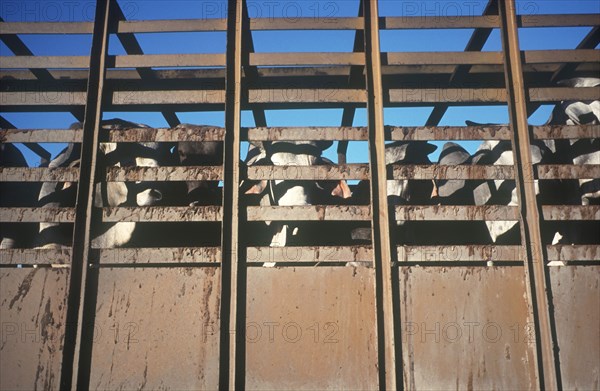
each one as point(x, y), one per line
point(576, 299)
point(442, 58)
point(54, 257)
point(310, 328)
point(466, 328)
point(297, 95)
point(439, 22)
point(436, 171)
point(557, 20)
point(40, 135)
point(447, 95)
point(46, 28)
point(162, 213)
point(459, 253)
point(182, 133)
point(309, 254)
point(189, 25)
point(306, 59)
point(568, 171)
point(557, 94)
point(35, 215)
point(205, 173)
point(167, 60)
point(33, 311)
point(492, 132)
point(570, 252)
point(346, 171)
point(308, 213)
point(306, 133)
point(457, 212)
point(43, 62)
point(156, 329)
point(571, 212)
point(49, 98)
point(38, 174)
point(160, 255)
point(561, 56)
point(305, 23)
point(566, 132)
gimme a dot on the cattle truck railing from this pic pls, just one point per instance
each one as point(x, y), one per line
point(401, 320)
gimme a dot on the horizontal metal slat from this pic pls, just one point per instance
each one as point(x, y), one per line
point(163, 26)
point(46, 27)
point(324, 172)
point(475, 253)
point(189, 133)
point(162, 213)
point(160, 255)
point(561, 56)
point(42, 256)
point(568, 171)
point(324, 254)
point(441, 58)
point(38, 174)
point(43, 62)
point(40, 135)
point(445, 172)
point(307, 23)
point(36, 215)
point(42, 98)
point(548, 132)
point(566, 20)
point(424, 133)
point(571, 212)
point(360, 133)
point(439, 22)
point(306, 58)
point(556, 94)
point(200, 173)
point(309, 213)
point(447, 95)
point(166, 60)
point(457, 212)
point(570, 252)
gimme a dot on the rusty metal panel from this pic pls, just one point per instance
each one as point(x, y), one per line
point(457, 212)
point(466, 328)
point(445, 95)
point(561, 56)
point(160, 255)
point(35, 215)
point(566, 131)
point(310, 328)
point(309, 213)
point(162, 213)
point(196, 173)
point(576, 299)
point(33, 306)
point(557, 94)
point(39, 174)
point(25, 98)
point(156, 329)
point(557, 20)
point(491, 132)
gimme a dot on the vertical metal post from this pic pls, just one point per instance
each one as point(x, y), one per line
point(529, 212)
point(72, 353)
point(382, 247)
point(233, 300)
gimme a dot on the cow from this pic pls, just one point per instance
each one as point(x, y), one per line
point(105, 235)
point(15, 194)
point(292, 192)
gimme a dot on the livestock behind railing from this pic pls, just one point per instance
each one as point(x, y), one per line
point(138, 256)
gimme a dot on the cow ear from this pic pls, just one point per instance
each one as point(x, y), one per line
point(342, 190)
point(257, 188)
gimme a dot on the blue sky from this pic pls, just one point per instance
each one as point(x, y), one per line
point(289, 41)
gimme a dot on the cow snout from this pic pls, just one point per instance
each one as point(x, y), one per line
point(149, 197)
